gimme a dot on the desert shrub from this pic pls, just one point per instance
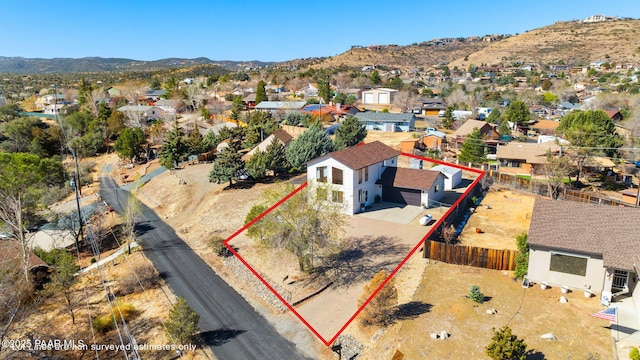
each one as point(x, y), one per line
point(218, 247)
point(380, 308)
point(147, 275)
point(634, 354)
point(104, 323)
point(476, 295)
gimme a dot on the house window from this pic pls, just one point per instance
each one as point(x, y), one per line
point(336, 196)
point(336, 176)
point(321, 174)
point(512, 163)
point(366, 174)
point(437, 187)
point(360, 195)
point(321, 194)
point(360, 176)
point(568, 264)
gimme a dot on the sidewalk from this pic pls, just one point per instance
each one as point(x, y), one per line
point(108, 258)
point(627, 331)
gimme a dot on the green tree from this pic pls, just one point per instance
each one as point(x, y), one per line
point(23, 178)
point(194, 141)
point(522, 259)
point(173, 150)
point(257, 165)
point(324, 89)
point(309, 145)
point(506, 346)
point(504, 128)
point(276, 158)
point(18, 134)
point(375, 78)
point(182, 325)
point(351, 132)
point(303, 225)
point(476, 295)
point(115, 124)
point(590, 133)
point(259, 231)
point(518, 113)
point(379, 310)
point(494, 116)
point(549, 98)
point(62, 277)
point(236, 108)
point(129, 143)
point(447, 119)
point(227, 166)
point(261, 92)
point(9, 112)
point(472, 150)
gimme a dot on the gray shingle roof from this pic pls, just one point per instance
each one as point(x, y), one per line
point(406, 178)
point(384, 117)
point(610, 231)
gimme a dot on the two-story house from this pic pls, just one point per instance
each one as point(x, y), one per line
point(359, 176)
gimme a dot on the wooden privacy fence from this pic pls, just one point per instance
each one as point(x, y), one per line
point(496, 259)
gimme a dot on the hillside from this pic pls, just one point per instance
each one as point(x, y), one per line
point(20, 65)
point(574, 43)
point(408, 57)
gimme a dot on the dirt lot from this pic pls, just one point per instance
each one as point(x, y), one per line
point(199, 210)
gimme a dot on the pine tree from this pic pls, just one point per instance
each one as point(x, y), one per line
point(350, 133)
point(518, 113)
point(261, 93)
point(236, 108)
point(505, 345)
point(309, 145)
point(182, 325)
point(447, 119)
point(257, 165)
point(227, 166)
point(476, 295)
point(473, 148)
point(379, 310)
point(324, 90)
point(173, 150)
point(276, 158)
point(522, 259)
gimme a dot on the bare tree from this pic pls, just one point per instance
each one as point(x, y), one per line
point(406, 100)
point(557, 170)
point(342, 81)
point(458, 96)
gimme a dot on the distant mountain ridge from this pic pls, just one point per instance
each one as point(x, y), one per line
point(21, 65)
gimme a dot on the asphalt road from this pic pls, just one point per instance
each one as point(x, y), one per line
point(229, 325)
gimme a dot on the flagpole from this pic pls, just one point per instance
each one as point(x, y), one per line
point(617, 327)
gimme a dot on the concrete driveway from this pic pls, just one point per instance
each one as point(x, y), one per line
point(392, 212)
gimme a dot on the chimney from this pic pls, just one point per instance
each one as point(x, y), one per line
point(338, 106)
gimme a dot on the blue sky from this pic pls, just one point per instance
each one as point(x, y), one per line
point(265, 30)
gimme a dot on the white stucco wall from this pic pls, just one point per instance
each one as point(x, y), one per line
point(540, 261)
point(432, 194)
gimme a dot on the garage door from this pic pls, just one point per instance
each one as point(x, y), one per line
point(401, 196)
point(368, 98)
point(383, 98)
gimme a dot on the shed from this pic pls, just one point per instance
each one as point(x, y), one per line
point(452, 176)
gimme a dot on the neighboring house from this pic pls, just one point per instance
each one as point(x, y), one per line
point(488, 130)
point(432, 107)
point(274, 106)
point(141, 112)
point(541, 111)
point(11, 255)
point(614, 115)
point(387, 121)
point(53, 108)
point(169, 106)
point(524, 158)
point(434, 139)
point(155, 95)
point(336, 112)
point(275, 88)
point(358, 175)
point(379, 96)
point(585, 246)
point(545, 127)
point(249, 100)
point(452, 176)
point(279, 135)
point(310, 91)
point(114, 92)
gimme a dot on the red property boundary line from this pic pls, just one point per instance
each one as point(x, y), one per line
point(397, 268)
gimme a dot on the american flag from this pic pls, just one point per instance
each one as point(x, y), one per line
point(610, 314)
